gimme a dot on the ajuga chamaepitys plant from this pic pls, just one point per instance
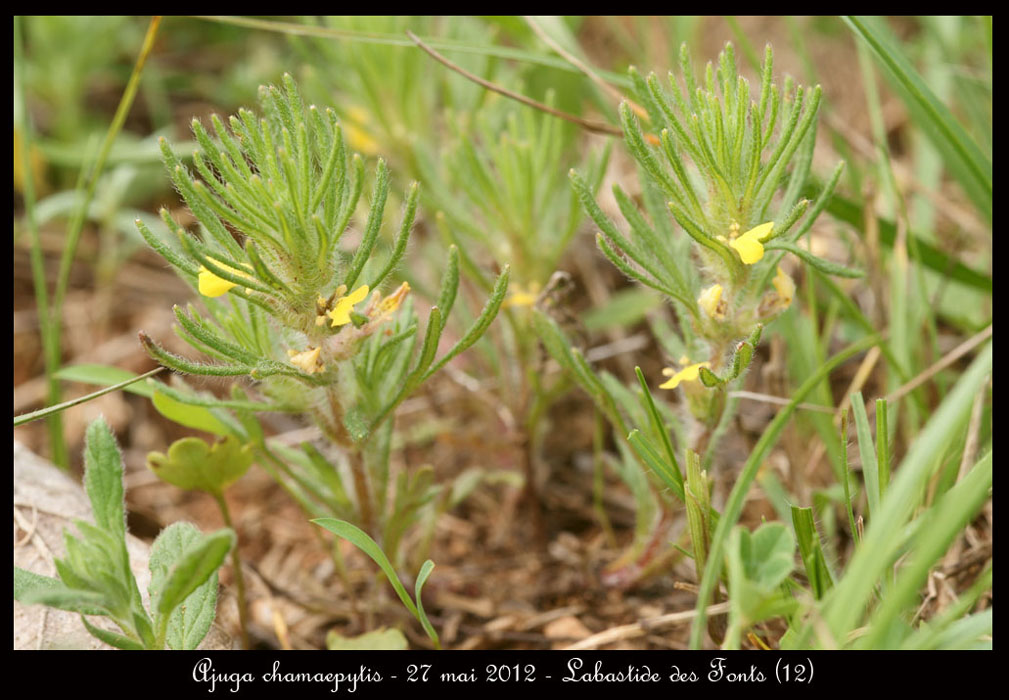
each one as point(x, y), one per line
point(722, 176)
point(722, 171)
point(292, 291)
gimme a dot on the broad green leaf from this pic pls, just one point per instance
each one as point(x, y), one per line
point(193, 464)
point(198, 563)
point(757, 564)
point(103, 478)
point(188, 623)
point(189, 416)
point(770, 553)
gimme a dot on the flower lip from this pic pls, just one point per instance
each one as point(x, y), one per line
point(340, 313)
point(748, 244)
point(210, 285)
point(690, 373)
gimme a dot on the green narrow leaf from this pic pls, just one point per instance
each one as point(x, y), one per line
point(845, 604)
point(372, 227)
point(939, 526)
point(650, 456)
point(63, 597)
point(882, 446)
point(660, 428)
point(449, 285)
point(104, 375)
point(480, 325)
point(870, 468)
point(425, 572)
point(698, 503)
point(812, 553)
point(825, 266)
point(360, 539)
point(399, 247)
point(50, 410)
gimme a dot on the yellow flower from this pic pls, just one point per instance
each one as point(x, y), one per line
point(306, 360)
point(689, 373)
point(784, 286)
point(711, 301)
point(748, 245)
point(359, 139)
point(522, 297)
point(213, 286)
point(340, 313)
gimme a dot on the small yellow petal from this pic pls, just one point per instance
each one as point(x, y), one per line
point(684, 360)
point(340, 313)
point(711, 301)
point(210, 285)
point(748, 245)
point(358, 294)
point(784, 286)
point(750, 251)
point(687, 374)
point(761, 232)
